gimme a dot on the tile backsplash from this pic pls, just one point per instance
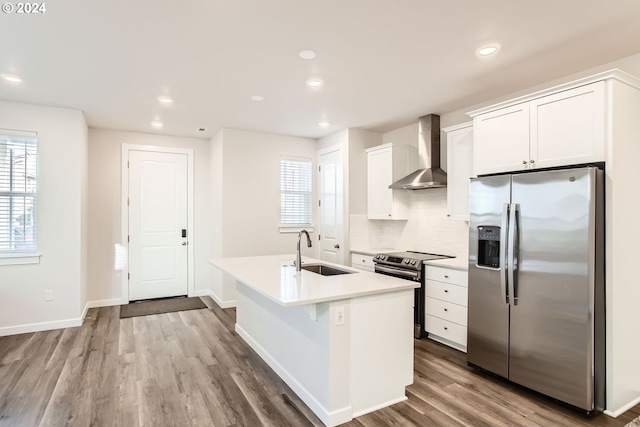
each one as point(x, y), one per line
point(426, 230)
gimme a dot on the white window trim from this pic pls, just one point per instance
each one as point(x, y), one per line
point(20, 258)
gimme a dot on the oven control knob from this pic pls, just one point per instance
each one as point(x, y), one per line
point(406, 261)
point(413, 262)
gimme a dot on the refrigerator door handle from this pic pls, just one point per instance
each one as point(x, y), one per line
point(512, 236)
point(503, 253)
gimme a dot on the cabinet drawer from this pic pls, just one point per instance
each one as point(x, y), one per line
point(447, 311)
point(364, 262)
point(446, 292)
point(448, 275)
point(449, 330)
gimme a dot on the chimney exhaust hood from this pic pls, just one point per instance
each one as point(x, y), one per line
point(429, 174)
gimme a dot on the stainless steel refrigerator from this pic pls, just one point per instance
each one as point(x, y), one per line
point(536, 282)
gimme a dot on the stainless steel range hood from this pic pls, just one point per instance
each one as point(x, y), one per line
point(429, 175)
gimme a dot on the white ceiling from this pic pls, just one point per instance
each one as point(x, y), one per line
point(385, 62)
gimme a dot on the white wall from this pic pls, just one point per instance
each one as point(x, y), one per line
point(247, 198)
point(62, 148)
point(105, 228)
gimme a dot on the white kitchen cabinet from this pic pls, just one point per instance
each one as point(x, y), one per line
point(362, 261)
point(386, 164)
point(446, 305)
point(558, 129)
point(459, 170)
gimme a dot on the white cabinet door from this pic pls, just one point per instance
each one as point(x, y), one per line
point(379, 177)
point(501, 140)
point(568, 127)
point(385, 165)
point(459, 170)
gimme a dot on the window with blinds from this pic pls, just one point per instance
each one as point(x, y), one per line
point(18, 158)
point(295, 192)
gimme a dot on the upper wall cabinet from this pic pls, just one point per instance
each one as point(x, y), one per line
point(558, 129)
point(386, 164)
point(459, 170)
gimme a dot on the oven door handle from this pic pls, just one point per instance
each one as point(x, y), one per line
point(415, 275)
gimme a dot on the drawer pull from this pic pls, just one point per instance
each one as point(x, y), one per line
point(446, 329)
point(446, 291)
point(446, 309)
point(446, 277)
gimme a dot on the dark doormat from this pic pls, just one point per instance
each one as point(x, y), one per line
point(160, 305)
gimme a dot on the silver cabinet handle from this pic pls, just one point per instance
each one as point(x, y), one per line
point(337, 246)
point(446, 309)
point(532, 161)
point(446, 277)
point(524, 162)
point(184, 243)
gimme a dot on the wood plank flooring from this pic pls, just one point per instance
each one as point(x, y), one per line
point(190, 369)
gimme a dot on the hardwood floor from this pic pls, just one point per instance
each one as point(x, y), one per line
point(191, 369)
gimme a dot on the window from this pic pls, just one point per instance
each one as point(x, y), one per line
point(295, 193)
point(18, 155)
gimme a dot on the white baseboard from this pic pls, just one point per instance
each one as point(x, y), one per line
point(623, 409)
point(214, 297)
point(37, 327)
point(328, 418)
point(100, 303)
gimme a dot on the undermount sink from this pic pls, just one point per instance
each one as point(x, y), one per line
point(325, 270)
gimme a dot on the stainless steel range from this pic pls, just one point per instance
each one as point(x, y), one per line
point(408, 265)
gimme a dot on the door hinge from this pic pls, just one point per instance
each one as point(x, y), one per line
point(129, 276)
point(318, 236)
point(319, 203)
point(127, 163)
point(319, 168)
point(127, 201)
point(128, 239)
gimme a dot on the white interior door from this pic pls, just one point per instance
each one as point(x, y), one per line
point(158, 211)
point(331, 211)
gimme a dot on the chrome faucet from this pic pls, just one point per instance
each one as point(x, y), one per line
point(298, 261)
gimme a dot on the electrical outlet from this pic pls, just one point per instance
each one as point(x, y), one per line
point(339, 320)
point(48, 295)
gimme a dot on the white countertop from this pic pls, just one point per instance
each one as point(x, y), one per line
point(275, 277)
point(372, 251)
point(457, 263)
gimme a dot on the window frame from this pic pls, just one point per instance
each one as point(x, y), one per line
point(30, 255)
point(285, 227)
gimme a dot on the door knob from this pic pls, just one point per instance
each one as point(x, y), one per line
point(337, 246)
point(184, 243)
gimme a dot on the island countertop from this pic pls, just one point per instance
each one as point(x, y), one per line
point(276, 278)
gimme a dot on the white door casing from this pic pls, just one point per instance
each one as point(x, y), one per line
point(331, 206)
point(157, 205)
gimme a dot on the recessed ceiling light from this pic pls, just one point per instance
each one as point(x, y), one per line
point(11, 78)
point(323, 123)
point(315, 83)
point(165, 100)
point(156, 124)
point(487, 50)
point(307, 54)
point(257, 98)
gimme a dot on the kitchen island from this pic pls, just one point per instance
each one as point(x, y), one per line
point(343, 343)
